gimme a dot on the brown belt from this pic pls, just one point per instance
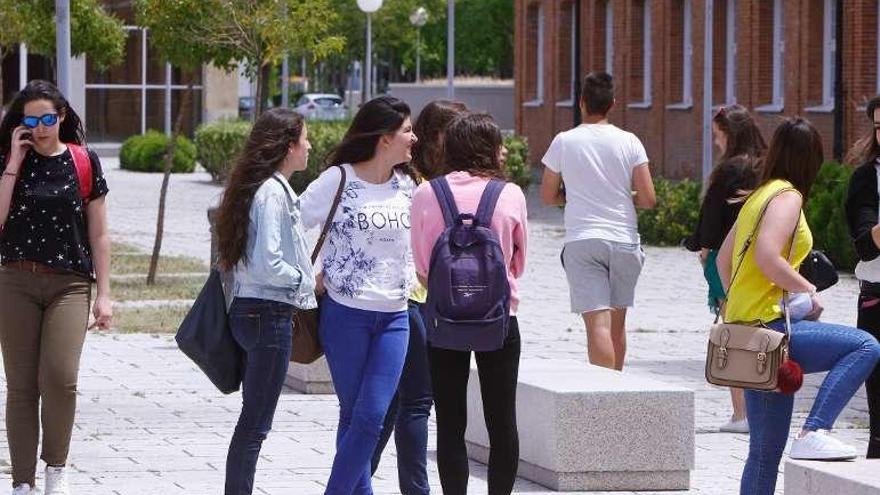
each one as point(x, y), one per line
point(31, 266)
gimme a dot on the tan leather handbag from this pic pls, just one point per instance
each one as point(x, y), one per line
point(748, 356)
point(306, 340)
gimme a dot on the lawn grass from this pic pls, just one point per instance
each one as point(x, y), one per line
point(165, 288)
point(148, 320)
point(126, 260)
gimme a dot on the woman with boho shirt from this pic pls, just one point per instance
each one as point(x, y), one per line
point(261, 239)
point(848, 354)
point(367, 275)
point(473, 150)
point(53, 245)
point(862, 207)
point(739, 140)
point(409, 411)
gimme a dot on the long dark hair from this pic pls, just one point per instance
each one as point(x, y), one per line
point(867, 149)
point(795, 154)
point(70, 130)
point(472, 145)
point(376, 118)
point(266, 148)
point(743, 135)
point(430, 127)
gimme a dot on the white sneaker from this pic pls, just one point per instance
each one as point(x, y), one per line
point(23, 489)
point(735, 426)
point(820, 446)
point(56, 481)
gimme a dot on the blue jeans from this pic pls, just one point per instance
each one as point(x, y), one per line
point(262, 328)
point(408, 414)
point(847, 353)
point(365, 351)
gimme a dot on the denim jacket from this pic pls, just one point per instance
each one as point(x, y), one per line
point(278, 266)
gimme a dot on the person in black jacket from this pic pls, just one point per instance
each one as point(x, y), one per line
point(741, 146)
point(862, 213)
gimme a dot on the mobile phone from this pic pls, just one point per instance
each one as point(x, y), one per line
point(27, 136)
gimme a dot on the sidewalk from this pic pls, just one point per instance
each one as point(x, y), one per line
point(149, 422)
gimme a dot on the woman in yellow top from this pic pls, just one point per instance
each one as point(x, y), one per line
point(755, 295)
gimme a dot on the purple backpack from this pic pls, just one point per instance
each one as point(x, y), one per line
point(468, 306)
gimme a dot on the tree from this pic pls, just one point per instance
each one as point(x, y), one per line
point(225, 33)
point(94, 32)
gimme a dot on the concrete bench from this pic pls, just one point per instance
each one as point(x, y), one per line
point(310, 378)
point(861, 477)
point(583, 427)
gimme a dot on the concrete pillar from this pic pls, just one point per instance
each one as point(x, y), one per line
point(220, 94)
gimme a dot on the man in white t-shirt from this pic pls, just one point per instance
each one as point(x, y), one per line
point(606, 176)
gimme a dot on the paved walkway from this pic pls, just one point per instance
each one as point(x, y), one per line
point(149, 422)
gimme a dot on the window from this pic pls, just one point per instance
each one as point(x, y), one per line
point(724, 52)
point(770, 56)
point(534, 80)
point(730, 52)
point(129, 98)
point(681, 53)
point(640, 59)
point(566, 77)
point(822, 18)
point(603, 41)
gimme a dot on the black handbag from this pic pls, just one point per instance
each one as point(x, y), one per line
point(205, 336)
point(819, 270)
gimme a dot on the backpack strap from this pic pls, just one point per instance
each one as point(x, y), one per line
point(446, 200)
point(83, 165)
point(488, 201)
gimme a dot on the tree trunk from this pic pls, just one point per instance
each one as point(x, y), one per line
point(262, 91)
point(163, 195)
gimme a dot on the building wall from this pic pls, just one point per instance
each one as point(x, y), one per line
point(670, 128)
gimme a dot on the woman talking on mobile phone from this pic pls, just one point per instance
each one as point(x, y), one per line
point(53, 245)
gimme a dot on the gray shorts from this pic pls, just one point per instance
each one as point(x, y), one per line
point(601, 274)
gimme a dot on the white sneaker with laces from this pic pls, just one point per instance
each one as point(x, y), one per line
point(820, 446)
point(735, 426)
point(24, 489)
point(56, 481)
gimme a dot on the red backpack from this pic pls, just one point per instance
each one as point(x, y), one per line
point(83, 166)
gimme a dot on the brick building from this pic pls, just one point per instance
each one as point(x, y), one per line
point(776, 57)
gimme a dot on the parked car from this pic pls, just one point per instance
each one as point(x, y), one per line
point(321, 106)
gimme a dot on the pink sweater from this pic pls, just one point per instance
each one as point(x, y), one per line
point(509, 222)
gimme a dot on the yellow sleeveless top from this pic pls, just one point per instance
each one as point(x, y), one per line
point(752, 297)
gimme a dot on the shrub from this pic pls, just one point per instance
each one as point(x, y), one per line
point(145, 153)
point(827, 218)
point(517, 167)
point(219, 143)
point(323, 135)
point(675, 216)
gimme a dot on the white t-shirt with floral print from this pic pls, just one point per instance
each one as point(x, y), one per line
point(366, 259)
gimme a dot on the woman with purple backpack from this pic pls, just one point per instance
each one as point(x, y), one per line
point(492, 225)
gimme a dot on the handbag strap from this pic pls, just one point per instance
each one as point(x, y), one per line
point(748, 243)
point(326, 229)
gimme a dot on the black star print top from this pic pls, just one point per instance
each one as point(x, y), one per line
point(47, 220)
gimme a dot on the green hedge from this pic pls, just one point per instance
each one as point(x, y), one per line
point(517, 167)
point(826, 215)
point(675, 216)
point(145, 153)
point(218, 143)
point(678, 205)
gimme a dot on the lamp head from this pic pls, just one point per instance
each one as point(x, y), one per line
point(369, 6)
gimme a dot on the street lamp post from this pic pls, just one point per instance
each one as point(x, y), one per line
point(368, 7)
point(62, 44)
point(418, 19)
point(450, 49)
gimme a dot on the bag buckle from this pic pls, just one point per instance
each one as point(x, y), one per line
point(762, 362)
point(721, 354)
